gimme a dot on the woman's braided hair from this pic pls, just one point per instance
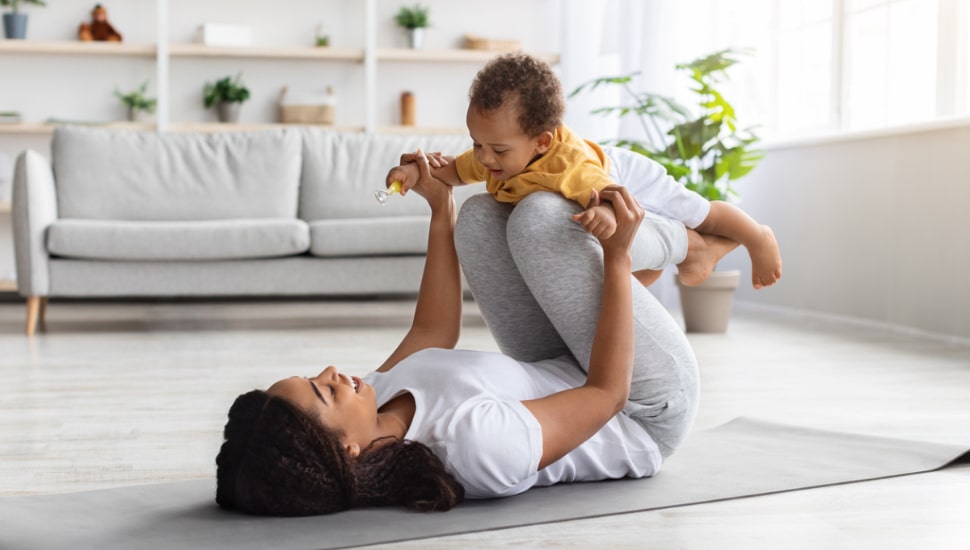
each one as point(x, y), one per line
point(531, 82)
point(278, 461)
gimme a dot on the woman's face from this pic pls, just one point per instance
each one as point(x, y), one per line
point(343, 403)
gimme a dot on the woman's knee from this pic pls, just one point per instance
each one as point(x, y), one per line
point(544, 219)
point(480, 216)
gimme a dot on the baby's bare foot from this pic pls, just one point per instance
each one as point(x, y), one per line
point(765, 260)
point(648, 276)
point(703, 253)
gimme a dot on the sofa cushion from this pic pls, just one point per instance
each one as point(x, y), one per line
point(112, 174)
point(341, 171)
point(369, 236)
point(198, 240)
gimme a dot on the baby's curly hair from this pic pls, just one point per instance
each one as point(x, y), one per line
point(517, 75)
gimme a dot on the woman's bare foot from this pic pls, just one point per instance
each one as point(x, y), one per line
point(648, 276)
point(765, 259)
point(703, 253)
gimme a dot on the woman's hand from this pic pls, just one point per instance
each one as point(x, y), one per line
point(436, 159)
point(629, 215)
point(426, 185)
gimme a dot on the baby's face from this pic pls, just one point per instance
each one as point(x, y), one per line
point(499, 143)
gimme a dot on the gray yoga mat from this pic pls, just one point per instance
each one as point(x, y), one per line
point(741, 458)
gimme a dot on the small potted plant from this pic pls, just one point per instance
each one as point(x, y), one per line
point(137, 102)
point(15, 23)
point(227, 94)
point(414, 19)
point(704, 149)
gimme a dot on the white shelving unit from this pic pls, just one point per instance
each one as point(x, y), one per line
point(371, 69)
point(164, 53)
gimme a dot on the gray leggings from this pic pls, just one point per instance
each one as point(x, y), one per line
point(538, 276)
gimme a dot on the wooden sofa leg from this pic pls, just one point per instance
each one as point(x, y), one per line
point(34, 308)
point(42, 317)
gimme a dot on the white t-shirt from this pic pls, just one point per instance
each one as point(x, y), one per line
point(654, 189)
point(469, 411)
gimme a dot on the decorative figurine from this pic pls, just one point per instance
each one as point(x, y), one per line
point(98, 29)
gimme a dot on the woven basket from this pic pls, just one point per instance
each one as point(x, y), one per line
point(309, 113)
point(473, 42)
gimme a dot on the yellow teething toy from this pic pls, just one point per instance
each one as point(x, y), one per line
point(392, 189)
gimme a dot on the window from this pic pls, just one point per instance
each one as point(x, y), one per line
point(890, 61)
point(804, 65)
point(846, 64)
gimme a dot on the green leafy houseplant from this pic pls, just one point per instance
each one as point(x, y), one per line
point(703, 149)
point(413, 17)
point(225, 90)
point(15, 4)
point(137, 100)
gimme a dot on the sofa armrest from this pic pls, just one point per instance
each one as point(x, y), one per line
point(34, 210)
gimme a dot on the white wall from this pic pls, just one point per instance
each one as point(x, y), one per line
point(871, 227)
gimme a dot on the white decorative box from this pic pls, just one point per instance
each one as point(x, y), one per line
point(224, 34)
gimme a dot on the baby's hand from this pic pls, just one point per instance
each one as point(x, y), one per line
point(407, 174)
point(599, 220)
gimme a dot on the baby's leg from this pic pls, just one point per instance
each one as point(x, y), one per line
point(765, 259)
point(703, 253)
point(729, 221)
point(648, 276)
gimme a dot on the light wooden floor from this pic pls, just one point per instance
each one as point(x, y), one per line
point(120, 393)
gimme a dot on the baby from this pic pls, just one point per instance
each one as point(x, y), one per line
point(520, 146)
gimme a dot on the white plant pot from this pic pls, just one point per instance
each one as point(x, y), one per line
point(707, 306)
point(416, 38)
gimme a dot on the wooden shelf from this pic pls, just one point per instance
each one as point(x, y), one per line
point(47, 128)
point(8, 286)
point(74, 47)
point(430, 130)
point(26, 128)
point(212, 127)
point(68, 47)
point(456, 56)
point(40, 128)
point(201, 50)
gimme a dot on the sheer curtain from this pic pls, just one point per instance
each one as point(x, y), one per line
point(618, 37)
point(611, 38)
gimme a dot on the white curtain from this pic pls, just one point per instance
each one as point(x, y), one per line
point(612, 38)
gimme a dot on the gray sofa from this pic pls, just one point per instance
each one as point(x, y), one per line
point(281, 212)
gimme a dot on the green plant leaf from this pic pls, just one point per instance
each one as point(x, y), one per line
point(226, 89)
point(413, 17)
point(701, 147)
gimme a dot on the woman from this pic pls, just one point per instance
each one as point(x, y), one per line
point(595, 379)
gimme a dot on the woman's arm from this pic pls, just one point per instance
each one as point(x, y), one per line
point(437, 315)
point(570, 417)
